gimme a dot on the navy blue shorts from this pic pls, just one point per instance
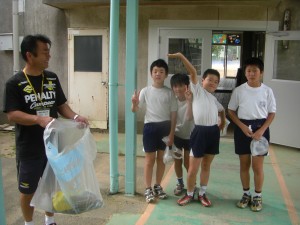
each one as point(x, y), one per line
point(29, 174)
point(242, 142)
point(153, 134)
point(205, 140)
point(181, 143)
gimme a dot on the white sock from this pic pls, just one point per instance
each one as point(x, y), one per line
point(247, 192)
point(190, 193)
point(49, 219)
point(202, 190)
point(29, 223)
point(257, 194)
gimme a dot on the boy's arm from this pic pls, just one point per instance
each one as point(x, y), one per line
point(189, 67)
point(189, 100)
point(233, 116)
point(135, 101)
point(258, 134)
point(223, 118)
point(173, 126)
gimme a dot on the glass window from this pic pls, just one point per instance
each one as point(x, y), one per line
point(285, 66)
point(226, 53)
point(191, 48)
point(88, 53)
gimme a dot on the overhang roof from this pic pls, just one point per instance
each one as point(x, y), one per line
point(68, 4)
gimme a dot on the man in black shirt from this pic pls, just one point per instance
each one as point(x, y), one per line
point(32, 98)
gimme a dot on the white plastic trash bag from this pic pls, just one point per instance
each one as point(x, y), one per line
point(170, 151)
point(259, 147)
point(69, 184)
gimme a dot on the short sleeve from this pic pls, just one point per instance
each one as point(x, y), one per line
point(233, 102)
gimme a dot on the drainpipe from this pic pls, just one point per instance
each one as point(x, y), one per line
point(130, 84)
point(15, 11)
point(2, 208)
point(113, 95)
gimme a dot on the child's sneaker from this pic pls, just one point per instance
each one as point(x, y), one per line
point(179, 189)
point(149, 195)
point(159, 192)
point(204, 200)
point(244, 202)
point(256, 204)
point(185, 200)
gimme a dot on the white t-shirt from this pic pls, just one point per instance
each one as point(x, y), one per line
point(183, 126)
point(252, 103)
point(205, 106)
point(159, 102)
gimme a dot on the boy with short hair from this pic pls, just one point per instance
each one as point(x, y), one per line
point(205, 137)
point(256, 106)
point(184, 125)
point(160, 121)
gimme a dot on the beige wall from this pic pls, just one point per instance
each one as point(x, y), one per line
point(98, 17)
point(41, 18)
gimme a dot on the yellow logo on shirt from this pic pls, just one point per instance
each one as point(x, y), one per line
point(28, 89)
point(49, 86)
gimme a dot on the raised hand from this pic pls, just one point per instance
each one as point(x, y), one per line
point(135, 101)
point(188, 94)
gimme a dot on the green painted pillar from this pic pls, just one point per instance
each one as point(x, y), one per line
point(2, 205)
point(130, 84)
point(113, 94)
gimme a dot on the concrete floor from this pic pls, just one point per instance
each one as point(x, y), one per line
point(281, 197)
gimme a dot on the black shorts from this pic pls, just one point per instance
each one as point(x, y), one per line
point(153, 134)
point(181, 143)
point(205, 140)
point(29, 174)
point(242, 142)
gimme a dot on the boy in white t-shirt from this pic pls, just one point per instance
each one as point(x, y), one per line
point(184, 125)
point(251, 104)
point(205, 137)
point(160, 121)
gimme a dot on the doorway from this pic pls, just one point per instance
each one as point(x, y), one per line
point(282, 75)
point(88, 74)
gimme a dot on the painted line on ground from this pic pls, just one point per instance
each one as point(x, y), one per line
point(284, 190)
point(149, 209)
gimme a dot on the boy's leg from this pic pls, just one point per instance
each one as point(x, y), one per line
point(191, 180)
point(186, 159)
point(160, 170)
point(148, 171)
point(245, 162)
point(205, 169)
point(258, 170)
point(178, 167)
point(204, 177)
point(257, 166)
point(192, 173)
point(148, 168)
point(179, 174)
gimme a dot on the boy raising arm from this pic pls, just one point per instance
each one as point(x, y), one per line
point(205, 137)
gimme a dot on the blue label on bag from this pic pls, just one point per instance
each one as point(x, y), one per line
point(66, 165)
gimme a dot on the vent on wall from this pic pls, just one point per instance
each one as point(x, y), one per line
point(6, 42)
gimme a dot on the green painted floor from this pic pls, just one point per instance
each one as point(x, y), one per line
point(282, 172)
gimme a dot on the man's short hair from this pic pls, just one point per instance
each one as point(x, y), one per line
point(160, 63)
point(179, 79)
point(29, 44)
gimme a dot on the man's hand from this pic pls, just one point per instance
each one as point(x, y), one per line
point(43, 121)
